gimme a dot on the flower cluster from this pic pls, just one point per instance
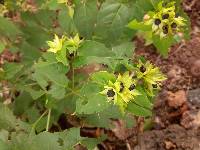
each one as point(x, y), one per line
point(165, 21)
point(124, 89)
point(3, 10)
point(69, 43)
point(150, 75)
point(57, 44)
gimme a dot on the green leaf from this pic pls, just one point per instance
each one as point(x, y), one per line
point(139, 26)
point(163, 44)
point(52, 4)
point(85, 17)
point(32, 114)
point(93, 104)
point(37, 30)
point(35, 94)
point(8, 29)
point(138, 110)
point(7, 119)
point(103, 77)
point(103, 119)
point(2, 47)
point(42, 141)
point(141, 7)
point(91, 143)
point(65, 21)
point(29, 55)
point(4, 134)
point(142, 100)
point(93, 48)
point(124, 50)
point(82, 61)
point(11, 69)
point(111, 21)
point(71, 137)
point(3, 145)
point(61, 57)
point(22, 103)
point(50, 73)
point(92, 52)
point(91, 101)
point(45, 141)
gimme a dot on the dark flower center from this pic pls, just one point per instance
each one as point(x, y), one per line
point(157, 21)
point(165, 29)
point(174, 25)
point(165, 16)
point(132, 87)
point(154, 85)
point(164, 4)
point(110, 93)
point(142, 69)
point(71, 55)
point(121, 87)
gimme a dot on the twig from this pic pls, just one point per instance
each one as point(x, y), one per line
point(128, 145)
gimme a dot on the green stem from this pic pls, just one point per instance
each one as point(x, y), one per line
point(38, 120)
point(74, 92)
point(48, 120)
point(72, 78)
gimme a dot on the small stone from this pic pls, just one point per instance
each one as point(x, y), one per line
point(169, 145)
point(191, 119)
point(195, 69)
point(174, 72)
point(177, 99)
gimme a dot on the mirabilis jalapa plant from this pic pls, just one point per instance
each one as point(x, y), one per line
point(127, 86)
point(121, 89)
point(162, 26)
point(50, 83)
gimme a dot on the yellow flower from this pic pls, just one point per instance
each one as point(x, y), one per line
point(73, 43)
point(122, 91)
point(57, 44)
point(165, 21)
point(110, 91)
point(149, 73)
point(152, 76)
point(3, 10)
point(125, 86)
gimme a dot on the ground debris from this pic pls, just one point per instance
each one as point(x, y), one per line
point(174, 137)
point(176, 99)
